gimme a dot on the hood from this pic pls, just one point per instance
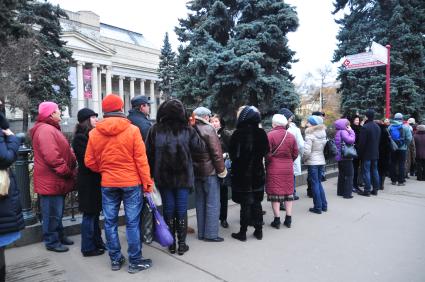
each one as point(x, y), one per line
point(420, 127)
point(341, 124)
point(396, 122)
point(172, 110)
point(319, 131)
point(40, 123)
point(112, 126)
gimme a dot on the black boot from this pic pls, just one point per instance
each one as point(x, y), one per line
point(288, 221)
point(181, 235)
point(276, 223)
point(171, 222)
point(241, 235)
point(258, 233)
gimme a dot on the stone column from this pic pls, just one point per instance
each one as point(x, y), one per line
point(108, 80)
point(121, 87)
point(99, 104)
point(80, 85)
point(94, 87)
point(132, 79)
point(153, 99)
point(142, 87)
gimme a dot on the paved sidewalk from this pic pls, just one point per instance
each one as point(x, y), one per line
point(363, 239)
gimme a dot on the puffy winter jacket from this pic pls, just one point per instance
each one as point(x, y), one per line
point(342, 134)
point(315, 141)
point(54, 162)
point(116, 150)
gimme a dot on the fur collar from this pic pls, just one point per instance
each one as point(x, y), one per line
point(315, 128)
point(204, 121)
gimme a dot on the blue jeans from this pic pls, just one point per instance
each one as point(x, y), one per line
point(315, 173)
point(174, 202)
point(51, 213)
point(207, 206)
point(370, 174)
point(91, 235)
point(111, 201)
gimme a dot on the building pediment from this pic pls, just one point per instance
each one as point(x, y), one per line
point(77, 41)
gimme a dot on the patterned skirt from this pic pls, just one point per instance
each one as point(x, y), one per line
point(280, 198)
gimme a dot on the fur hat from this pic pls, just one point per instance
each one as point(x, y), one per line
point(45, 109)
point(112, 103)
point(249, 115)
point(279, 120)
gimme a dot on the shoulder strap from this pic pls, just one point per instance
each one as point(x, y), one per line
point(281, 142)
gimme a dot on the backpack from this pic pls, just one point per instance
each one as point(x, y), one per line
point(330, 151)
point(397, 134)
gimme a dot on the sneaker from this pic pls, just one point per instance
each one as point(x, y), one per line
point(142, 265)
point(116, 265)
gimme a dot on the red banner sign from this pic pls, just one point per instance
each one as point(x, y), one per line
point(87, 83)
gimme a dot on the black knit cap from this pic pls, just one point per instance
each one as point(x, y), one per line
point(286, 112)
point(249, 115)
point(85, 113)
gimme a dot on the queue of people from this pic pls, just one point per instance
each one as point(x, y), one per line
point(121, 158)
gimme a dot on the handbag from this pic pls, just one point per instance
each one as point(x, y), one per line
point(162, 233)
point(348, 151)
point(156, 196)
point(4, 182)
point(146, 223)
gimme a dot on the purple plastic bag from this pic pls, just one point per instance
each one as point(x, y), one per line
point(162, 233)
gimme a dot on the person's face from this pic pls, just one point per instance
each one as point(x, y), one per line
point(356, 121)
point(215, 123)
point(56, 115)
point(386, 121)
point(93, 121)
point(145, 108)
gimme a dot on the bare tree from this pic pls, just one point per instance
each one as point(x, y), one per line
point(16, 60)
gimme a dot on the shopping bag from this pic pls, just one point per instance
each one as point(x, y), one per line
point(162, 233)
point(146, 223)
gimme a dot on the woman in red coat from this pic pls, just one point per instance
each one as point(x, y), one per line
point(54, 173)
point(279, 169)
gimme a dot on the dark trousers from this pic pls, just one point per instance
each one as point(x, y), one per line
point(2, 265)
point(224, 199)
point(356, 167)
point(398, 161)
point(52, 213)
point(345, 178)
point(420, 169)
point(91, 235)
point(251, 214)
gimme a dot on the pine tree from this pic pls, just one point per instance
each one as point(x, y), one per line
point(167, 68)
point(398, 23)
point(55, 61)
point(10, 27)
point(236, 53)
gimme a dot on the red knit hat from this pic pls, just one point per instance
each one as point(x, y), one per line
point(45, 109)
point(112, 103)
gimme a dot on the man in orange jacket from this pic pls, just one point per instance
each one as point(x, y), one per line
point(116, 151)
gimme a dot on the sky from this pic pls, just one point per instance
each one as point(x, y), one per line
point(314, 41)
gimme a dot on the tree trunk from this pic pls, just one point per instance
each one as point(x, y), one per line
point(25, 120)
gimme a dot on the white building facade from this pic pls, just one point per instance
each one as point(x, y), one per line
point(108, 60)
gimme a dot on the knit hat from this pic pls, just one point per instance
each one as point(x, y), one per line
point(279, 120)
point(202, 111)
point(370, 114)
point(4, 123)
point(45, 109)
point(286, 112)
point(315, 120)
point(411, 121)
point(112, 103)
point(398, 116)
point(84, 114)
point(249, 114)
